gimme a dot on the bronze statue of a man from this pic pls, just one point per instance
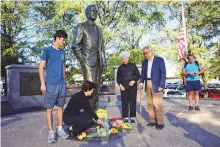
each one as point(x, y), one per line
point(88, 47)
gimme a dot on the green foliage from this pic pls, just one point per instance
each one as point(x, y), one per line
point(136, 21)
point(202, 27)
point(204, 17)
point(55, 15)
point(113, 60)
point(136, 56)
point(13, 16)
point(69, 75)
point(27, 27)
point(214, 68)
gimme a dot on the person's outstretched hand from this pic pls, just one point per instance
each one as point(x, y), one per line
point(101, 123)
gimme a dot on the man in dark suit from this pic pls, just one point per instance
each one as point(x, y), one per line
point(154, 75)
point(88, 47)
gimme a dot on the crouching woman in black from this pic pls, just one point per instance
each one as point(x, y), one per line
point(77, 102)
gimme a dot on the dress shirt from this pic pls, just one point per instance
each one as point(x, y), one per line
point(150, 63)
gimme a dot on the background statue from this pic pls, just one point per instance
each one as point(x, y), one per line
point(88, 47)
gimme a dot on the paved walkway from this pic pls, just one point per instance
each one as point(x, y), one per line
point(182, 129)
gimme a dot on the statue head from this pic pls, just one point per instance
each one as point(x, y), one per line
point(91, 12)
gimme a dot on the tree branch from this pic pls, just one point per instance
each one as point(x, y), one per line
point(114, 13)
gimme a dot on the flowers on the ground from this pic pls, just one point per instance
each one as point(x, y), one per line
point(112, 126)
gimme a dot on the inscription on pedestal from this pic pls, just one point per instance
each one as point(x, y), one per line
point(29, 84)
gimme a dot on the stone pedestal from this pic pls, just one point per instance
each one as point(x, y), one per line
point(6, 109)
point(23, 86)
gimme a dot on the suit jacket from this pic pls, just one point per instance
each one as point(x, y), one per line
point(158, 73)
point(87, 47)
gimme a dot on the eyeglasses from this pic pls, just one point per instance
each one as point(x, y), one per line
point(145, 53)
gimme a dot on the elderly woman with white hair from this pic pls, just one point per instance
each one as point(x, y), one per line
point(127, 77)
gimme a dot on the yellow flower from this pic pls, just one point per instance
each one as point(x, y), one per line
point(102, 113)
point(114, 131)
point(126, 126)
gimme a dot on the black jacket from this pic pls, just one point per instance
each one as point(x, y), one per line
point(126, 73)
point(77, 102)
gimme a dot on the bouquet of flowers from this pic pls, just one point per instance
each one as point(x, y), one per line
point(103, 116)
point(119, 124)
point(112, 126)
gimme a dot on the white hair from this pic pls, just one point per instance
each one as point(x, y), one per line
point(148, 48)
point(125, 54)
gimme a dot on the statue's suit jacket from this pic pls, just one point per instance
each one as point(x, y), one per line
point(88, 49)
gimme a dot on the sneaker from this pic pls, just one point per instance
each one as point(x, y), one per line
point(197, 108)
point(132, 120)
point(190, 108)
point(51, 137)
point(159, 127)
point(61, 133)
point(151, 124)
point(126, 120)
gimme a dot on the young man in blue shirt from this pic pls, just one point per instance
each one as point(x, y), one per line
point(191, 70)
point(54, 86)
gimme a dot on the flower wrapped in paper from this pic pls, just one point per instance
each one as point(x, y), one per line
point(103, 116)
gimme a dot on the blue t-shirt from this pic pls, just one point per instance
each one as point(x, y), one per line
point(54, 65)
point(192, 68)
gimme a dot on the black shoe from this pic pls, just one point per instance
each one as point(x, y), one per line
point(190, 108)
point(71, 133)
point(151, 124)
point(132, 120)
point(126, 120)
point(159, 127)
point(197, 108)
